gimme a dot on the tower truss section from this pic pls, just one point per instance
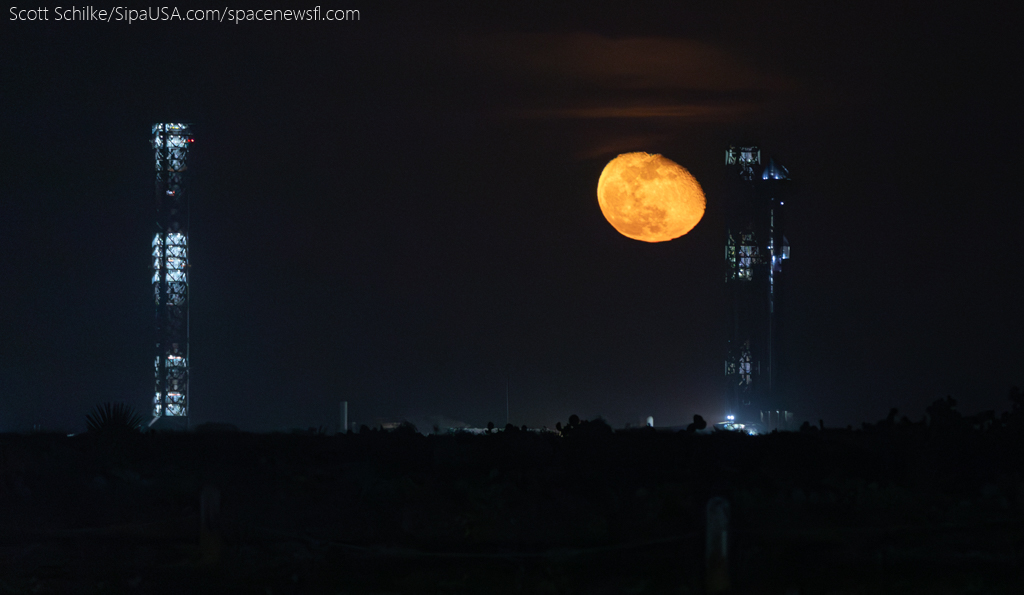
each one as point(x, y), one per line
point(755, 247)
point(171, 146)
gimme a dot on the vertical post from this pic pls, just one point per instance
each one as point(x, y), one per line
point(716, 552)
point(344, 417)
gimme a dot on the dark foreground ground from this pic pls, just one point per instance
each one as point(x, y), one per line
point(894, 508)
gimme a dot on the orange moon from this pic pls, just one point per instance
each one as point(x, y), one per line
point(649, 198)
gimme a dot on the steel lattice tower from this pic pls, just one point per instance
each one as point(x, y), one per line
point(755, 247)
point(171, 145)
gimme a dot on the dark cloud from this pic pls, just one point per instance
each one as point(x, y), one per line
point(690, 112)
point(592, 96)
point(585, 75)
point(628, 63)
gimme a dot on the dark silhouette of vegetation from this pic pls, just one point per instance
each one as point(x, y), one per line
point(943, 413)
point(586, 428)
point(113, 419)
point(405, 428)
point(590, 487)
point(698, 424)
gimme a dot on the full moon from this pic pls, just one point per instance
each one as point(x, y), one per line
point(649, 198)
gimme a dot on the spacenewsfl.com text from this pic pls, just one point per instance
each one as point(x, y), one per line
point(123, 14)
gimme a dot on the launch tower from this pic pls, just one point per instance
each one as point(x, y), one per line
point(171, 145)
point(755, 247)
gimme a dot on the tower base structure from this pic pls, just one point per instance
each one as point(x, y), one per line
point(168, 423)
point(777, 420)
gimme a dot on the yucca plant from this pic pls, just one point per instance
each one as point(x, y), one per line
point(113, 418)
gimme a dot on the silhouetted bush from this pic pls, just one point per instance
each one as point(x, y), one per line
point(405, 428)
point(942, 414)
point(113, 419)
point(595, 428)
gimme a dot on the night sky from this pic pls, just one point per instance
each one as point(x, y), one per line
point(401, 211)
